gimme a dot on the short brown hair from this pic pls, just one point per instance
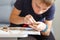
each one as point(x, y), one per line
point(48, 2)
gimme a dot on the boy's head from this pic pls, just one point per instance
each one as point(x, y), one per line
point(44, 5)
point(47, 2)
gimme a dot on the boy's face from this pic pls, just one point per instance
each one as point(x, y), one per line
point(42, 7)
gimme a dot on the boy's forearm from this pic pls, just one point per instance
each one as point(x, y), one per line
point(17, 20)
point(47, 33)
point(49, 24)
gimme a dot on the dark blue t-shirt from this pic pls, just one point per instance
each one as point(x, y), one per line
point(26, 7)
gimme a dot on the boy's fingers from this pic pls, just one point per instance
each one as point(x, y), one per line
point(33, 19)
point(30, 19)
point(32, 27)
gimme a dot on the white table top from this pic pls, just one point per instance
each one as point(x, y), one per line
point(18, 33)
point(12, 34)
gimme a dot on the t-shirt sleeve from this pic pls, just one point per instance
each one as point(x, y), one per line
point(50, 13)
point(19, 4)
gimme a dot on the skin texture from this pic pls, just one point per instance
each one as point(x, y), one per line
point(28, 19)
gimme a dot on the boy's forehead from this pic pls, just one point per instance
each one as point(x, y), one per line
point(43, 5)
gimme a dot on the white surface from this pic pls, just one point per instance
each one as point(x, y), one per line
point(12, 34)
point(17, 33)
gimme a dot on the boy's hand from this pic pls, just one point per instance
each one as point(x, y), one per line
point(39, 26)
point(29, 19)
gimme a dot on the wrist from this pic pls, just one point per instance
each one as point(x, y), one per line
point(45, 29)
point(23, 20)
